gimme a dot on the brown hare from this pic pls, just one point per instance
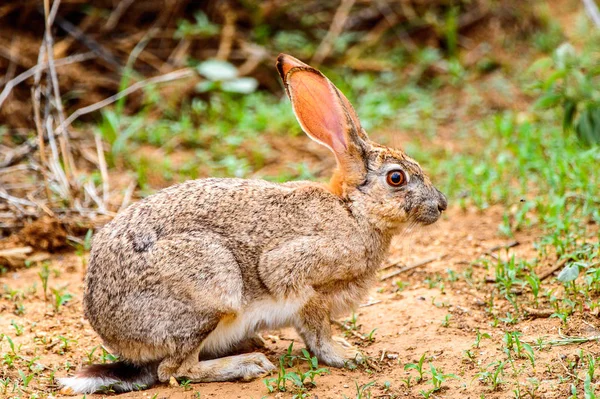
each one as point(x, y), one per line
point(178, 280)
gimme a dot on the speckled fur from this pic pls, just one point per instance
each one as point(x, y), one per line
point(199, 256)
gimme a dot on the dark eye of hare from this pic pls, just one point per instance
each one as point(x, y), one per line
point(396, 178)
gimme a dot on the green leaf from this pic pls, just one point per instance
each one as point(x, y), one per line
point(314, 362)
point(245, 85)
point(542, 63)
point(570, 108)
point(411, 366)
point(554, 76)
point(295, 378)
point(569, 273)
point(205, 86)
point(216, 70)
point(548, 100)
point(588, 125)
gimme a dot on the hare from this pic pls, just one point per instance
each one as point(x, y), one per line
point(178, 280)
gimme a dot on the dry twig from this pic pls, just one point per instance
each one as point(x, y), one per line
point(538, 313)
point(227, 33)
point(413, 266)
point(103, 168)
point(40, 67)
point(63, 139)
point(553, 269)
point(350, 330)
point(591, 8)
point(175, 75)
point(335, 29)
point(502, 246)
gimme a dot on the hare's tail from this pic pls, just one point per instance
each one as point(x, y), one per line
point(112, 377)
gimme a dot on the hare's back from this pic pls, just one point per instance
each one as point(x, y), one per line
point(244, 210)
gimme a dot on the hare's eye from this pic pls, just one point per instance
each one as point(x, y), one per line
point(396, 178)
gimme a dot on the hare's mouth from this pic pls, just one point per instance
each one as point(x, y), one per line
point(427, 215)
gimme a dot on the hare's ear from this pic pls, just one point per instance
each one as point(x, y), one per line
point(324, 113)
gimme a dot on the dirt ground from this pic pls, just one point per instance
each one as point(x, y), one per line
point(409, 323)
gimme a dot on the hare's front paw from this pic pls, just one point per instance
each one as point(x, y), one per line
point(351, 352)
point(340, 355)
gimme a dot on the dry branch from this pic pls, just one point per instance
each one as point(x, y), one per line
point(413, 266)
point(502, 246)
point(227, 33)
point(591, 8)
point(337, 25)
point(175, 75)
point(40, 68)
point(553, 269)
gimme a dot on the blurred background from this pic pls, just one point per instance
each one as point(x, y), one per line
point(104, 102)
point(199, 95)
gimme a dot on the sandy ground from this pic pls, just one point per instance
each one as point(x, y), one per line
point(409, 323)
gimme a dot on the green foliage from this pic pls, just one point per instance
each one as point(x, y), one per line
point(301, 381)
point(363, 391)
point(479, 336)
point(438, 377)
point(492, 374)
point(201, 27)
point(60, 298)
point(548, 38)
point(570, 80)
point(417, 366)
point(44, 275)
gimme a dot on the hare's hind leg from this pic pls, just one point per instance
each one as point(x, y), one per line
point(241, 367)
point(198, 272)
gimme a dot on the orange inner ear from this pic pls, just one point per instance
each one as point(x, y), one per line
point(286, 62)
point(317, 108)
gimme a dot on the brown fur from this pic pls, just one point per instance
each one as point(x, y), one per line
point(200, 256)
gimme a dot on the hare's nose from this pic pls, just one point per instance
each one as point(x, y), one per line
point(442, 202)
point(442, 206)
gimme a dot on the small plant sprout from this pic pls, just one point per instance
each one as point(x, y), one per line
point(90, 355)
point(417, 366)
point(492, 378)
point(387, 386)
point(185, 384)
point(107, 357)
point(11, 356)
point(592, 363)
point(64, 344)
point(353, 322)
point(470, 356)
point(513, 344)
point(438, 377)
point(25, 378)
point(301, 381)
point(534, 283)
point(363, 391)
point(370, 337)
point(479, 336)
point(60, 298)
point(4, 382)
point(446, 321)
point(18, 328)
point(44, 275)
